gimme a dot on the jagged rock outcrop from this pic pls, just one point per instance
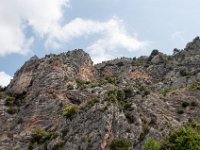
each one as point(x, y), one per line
point(52, 72)
point(65, 102)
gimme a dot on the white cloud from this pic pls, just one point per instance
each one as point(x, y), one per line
point(113, 35)
point(15, 15)
point(45, 18)
point(4, 79)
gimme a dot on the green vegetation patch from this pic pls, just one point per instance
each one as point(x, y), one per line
point(195, 86)
point(144, 91)
point(81, 83)
point(70, 111)
point(186, 137)
point(9, 101)
point(14, 99)
point(151, 144)
point(120, 144)
point(40, 136)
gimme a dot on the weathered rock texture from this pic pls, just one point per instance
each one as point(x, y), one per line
point(65, 102)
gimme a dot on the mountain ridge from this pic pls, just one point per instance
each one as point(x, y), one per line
point(65, 102)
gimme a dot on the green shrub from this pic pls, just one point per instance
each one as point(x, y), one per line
point(120, 95)
point(143, 90)
point(183, 138)
point(40, 136)
point(120, 144)
point(9, 101)
point(15, 99)
point(111, 96)
point(102, 82)
point(151, 144)
point(111, 79)
point(186, 137)
point(81, 83)
point(165, 91)
point(153, 53)
point(70, 111)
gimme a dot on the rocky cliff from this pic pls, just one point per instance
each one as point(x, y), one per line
point(65, 102)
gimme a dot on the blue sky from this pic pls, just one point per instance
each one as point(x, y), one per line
point(104, 28)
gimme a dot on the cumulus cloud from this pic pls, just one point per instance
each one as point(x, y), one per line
point(16, 15)
point(4, 79)
point(46, 21)
point(113, 35)
point(115, 38)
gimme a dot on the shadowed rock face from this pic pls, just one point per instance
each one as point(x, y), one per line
point(64, 101)
point(24, 76)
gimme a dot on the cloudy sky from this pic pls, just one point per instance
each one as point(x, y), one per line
point(104, 28)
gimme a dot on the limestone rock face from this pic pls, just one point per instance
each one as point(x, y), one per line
point(65, 102)
point(24, 76)
point(158, 59)
point(52, 72)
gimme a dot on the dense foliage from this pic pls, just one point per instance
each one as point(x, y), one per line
point(183, 138)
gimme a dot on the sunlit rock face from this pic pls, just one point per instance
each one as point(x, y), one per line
point(65, 102)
